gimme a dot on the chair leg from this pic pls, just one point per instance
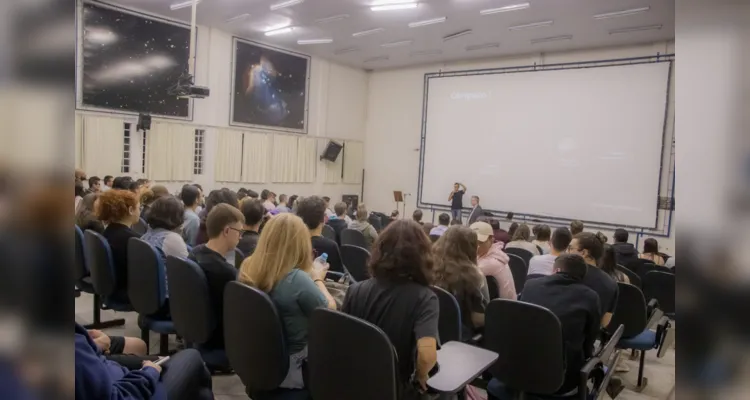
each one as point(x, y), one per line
point(642, 382)
point(98, 323)
point(146, 337)
point(163, 344)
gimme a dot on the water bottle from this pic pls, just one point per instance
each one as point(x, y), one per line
point(321, 261)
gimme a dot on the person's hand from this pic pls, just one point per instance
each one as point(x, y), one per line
point(319, 273)
point(102, 341)
point(152, 365)
point(423, 381)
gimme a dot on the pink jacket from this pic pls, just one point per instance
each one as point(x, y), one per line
point(495, 263)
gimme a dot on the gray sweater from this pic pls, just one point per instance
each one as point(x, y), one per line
point(367, 230)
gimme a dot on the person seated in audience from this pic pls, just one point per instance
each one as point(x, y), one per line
point(576, 227)
point(542, 237)
point(512, 231)
point(146, 197)
point(608, 264)
point(575, 305)
point(588, 246)
point(651, 252)
point(119, 210)
point(394, 215)
point(363, 225)
point(417, 217)
point(268, 203)
point(329, 213)
point(215, 198)
point(427, 227)
point(544, 264)
point(95, 185)
point(144, 183)
point(191, 198)
point(241, 194)
point(79, 193)
point(522, 240)
point(127, 351)
point(252, 194)
point(159, 190)
point(443, 221)
point(282, 266)
point(398, 300)
point(85, 215)
point(626, 252)
point(136, 187)
point(499, 235)
point(338, 222)
point(107, 182)
point(492, 261)
point(455, 222)
point(224, 226)
point(253, 211)
point(312, 210)
point(122, 183)
point(183, 376)
point(456, 271)
point(282, 207)
point(291, 203)
point(602, 237)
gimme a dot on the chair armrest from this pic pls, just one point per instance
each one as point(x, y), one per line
point(652, 305)
point(655, 318)
point(591, 370)
point(661, 330)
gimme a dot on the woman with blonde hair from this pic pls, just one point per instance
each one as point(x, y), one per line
point(282, 266)
point(362, 225)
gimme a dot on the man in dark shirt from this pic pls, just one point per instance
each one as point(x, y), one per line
point(457, 200)
point(223, 226)
point(253, 211)
point(625, 253)
point(588, 246)
point(339, 222)
point(575, 305)
point(312, 210)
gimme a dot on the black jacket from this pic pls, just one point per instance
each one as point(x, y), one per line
point(625, 253)
point(338, 225)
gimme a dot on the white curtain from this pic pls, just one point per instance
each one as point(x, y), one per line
point(228, 166)
point(102, 145)
point(284, 163)
point(255, 157)
point(307, 154)
point(169, 152)
point(332, 169)
point(353, 161)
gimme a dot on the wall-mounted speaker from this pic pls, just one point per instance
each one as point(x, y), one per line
point(332, 151)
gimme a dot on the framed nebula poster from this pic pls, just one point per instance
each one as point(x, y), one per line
point(128, 61)
point(269, 87)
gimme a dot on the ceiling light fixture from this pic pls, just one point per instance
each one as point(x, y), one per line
point(624, 13)
point(183, 4)
point(379, 58)
point(395, 6)
point(332, 18)
point(457, 35)
point(397, 44)
point(426, 53)
point(367, 32)
point(532, 25)
point(237, 18)
point(427, 22)
point(285, 4)
point(635, 29)
point(279, 31)
point(346, 50)
point(482, 46)
point(514, 7)
point(314, 41)
point(551, 39)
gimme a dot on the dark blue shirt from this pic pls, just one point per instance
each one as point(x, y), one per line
point(458, 200)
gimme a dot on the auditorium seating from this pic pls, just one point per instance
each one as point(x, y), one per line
point(661, 286)
point(449, 320)
point(353, 237)
point(99, 260)
point(355, 260)
point(518, 268)
point(85, 284)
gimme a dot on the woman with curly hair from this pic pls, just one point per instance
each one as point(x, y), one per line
point(119, 210)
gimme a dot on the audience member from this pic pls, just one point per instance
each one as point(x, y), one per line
point(95, 185)
point(159, 190)
point(86, 216)
point(282, 267)
point(608, 264)
point(191, 198)
point(575, 305)
point(252, 194)
point(145, 197)
point(312, 210)
point(283, 207)
point(443, 221)
point(135, 187)
point(521, 240)
point(427, 227)
point(362, 225)
point(223, 226)
point(398, 300)
point(456, 271)
point(651, 252)
point(586, 245)
point(626, 252)
point(144, 183)
point(576, 227)
point(122, 183)
point(417, 216)
point(108, 179)
point(455, 222)
point(127, 351)
point(119, 210)
point(79, 193)
point(476, 210)
point(329, 212)
point(292, 202)
point(457, 200)
point(253, 211)
point(602, 237)
point(80, 175)
point(542, 237)
point(268, 204)
point(394, 215)
point(241, 194)
point(544, 264)
point(499, 235)
point(512, 230)
point(492, 261)
point(338, 222)
point(215, 198)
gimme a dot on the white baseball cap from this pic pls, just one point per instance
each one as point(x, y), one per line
point(483, 230)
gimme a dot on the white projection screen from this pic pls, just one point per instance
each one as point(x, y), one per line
point(578, 143)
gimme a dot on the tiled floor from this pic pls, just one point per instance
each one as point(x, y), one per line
point(659, 371)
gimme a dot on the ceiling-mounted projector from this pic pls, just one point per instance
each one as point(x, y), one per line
point(184, 88)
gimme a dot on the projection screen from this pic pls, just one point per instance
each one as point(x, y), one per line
point(581, 143)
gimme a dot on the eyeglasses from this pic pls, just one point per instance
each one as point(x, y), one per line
point(240, 231)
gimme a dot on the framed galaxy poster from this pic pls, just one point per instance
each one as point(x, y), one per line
point(128, 61)
point(269, 87)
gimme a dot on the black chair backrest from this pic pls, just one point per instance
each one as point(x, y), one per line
point(328, 232)
point(493, 287)
point(630, 311)
point(530, 343)
point(538, 247)
point(81, 270)
point(449, 318)
point(99, 260)
point(523, 253)
point(239, 257)
point(519, 269)
point(660, 286)
point(353, 237)
point(140, 227)
point(189, 300)
point(254, 338)
point(635, 280)
point(146, 283)
point(374, 220)
point(335, 373)
point(355, 260)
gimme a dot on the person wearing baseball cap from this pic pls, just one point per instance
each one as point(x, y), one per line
point(492, 261)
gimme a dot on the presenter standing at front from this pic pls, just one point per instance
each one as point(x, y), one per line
point(457, 200)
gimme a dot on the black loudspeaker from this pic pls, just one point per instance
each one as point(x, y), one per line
point(144, 122)
point(332, 151)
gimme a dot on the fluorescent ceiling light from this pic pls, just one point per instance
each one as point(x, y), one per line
point(368, 32)
point(183, 4)
point(635, 29)
point(457, 35)
point(332, 18)
point(624, 13)
point(482, 46)
point(514, 7)
point(532, 25)
point(284, 4)
point(314, 41)
point(397, 44)
point(426, 53)
point(426, 22)
point(279, 31)
point(389, 7)
point(237, 18)
point(379, 58)
point(346, 50)
point(551, 39)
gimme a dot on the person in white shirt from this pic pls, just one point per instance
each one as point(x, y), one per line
point(107, 183)
point(329, 212)
point(443, 221)
point(544, 265)
point(267, 196)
